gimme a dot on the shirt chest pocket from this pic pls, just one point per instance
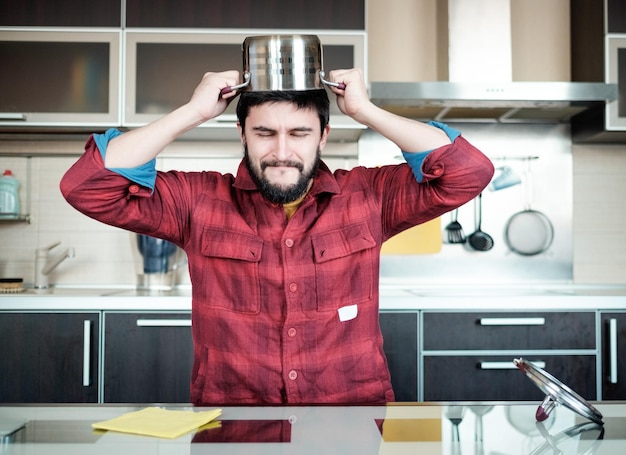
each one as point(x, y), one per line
point(345, 262)
point(230, 271)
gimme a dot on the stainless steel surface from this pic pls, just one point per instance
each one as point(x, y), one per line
point(489, 102)
point(556, 393)
point(86, 353)
point(480, 85)
point(282, 62)
point(613, 351)
point(512, 321)
point(363, 430)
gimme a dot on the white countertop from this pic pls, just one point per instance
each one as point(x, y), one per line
point(507, 428)
point(393, 296)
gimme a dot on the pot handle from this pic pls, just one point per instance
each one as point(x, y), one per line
point(339, 85)
point(245, 83)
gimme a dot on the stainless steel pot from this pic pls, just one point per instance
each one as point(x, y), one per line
point(282, 62)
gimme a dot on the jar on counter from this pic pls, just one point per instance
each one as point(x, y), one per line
point(9, 196)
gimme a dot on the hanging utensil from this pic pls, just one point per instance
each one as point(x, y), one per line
point(528, 232)
point(479, 240)
point(454, 230)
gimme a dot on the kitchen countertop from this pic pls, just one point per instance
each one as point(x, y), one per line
point(393, 296)
point(400, 428)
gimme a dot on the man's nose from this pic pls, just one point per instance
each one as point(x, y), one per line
point(282, 147)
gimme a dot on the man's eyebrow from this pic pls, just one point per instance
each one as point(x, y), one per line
point(264, 129)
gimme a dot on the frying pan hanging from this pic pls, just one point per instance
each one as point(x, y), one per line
point(528, 232)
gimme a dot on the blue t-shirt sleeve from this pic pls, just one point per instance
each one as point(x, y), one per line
point(144, 175)
point(415, 160)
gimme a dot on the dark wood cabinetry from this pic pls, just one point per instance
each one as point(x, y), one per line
point(613, 359)
point(511, 330)
point(400, 345)
point(147, 357)
point(485, 377)
point(615, 16)
point(287, 14)
point(49, 357)
point(469, 355)
point(60, 13)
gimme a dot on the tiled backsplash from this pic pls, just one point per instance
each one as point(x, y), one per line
point(104, 255)
point(596, 246)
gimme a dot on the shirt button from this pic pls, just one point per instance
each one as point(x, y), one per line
point(133, 189)
point(289, 243)
point(293, 375)
point(293, 287)
point(291, 332)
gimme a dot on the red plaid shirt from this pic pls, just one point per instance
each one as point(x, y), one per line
point(283, 311)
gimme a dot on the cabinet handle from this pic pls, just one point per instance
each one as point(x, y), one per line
point(12, 116)
point(613, 351)
point(512, 321)
point(163, 322)
point(86, 353)
point(507, 365)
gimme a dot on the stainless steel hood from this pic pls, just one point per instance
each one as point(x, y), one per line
point(524, 102)
point(479, 86)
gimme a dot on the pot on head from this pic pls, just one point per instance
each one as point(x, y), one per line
point(282, 62)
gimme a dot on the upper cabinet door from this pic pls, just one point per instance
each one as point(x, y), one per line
point(51, 78)
point(248, 14)
point(615, 16)
point(616, 58)
point(51, 13)
point(155, 59)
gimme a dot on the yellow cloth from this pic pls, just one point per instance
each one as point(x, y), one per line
point(158, 422)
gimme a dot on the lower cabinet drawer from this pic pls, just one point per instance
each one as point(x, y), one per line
point(473, 378)
point(512, 330)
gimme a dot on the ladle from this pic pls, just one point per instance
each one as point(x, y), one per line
point(479, 240)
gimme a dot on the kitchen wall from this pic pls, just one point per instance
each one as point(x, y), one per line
point(413, 49)
point(580, 188)
point(104, 255)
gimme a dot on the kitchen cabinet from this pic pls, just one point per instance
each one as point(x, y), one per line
point(49, 357)
point(469, 355)
point(163, 68)
point(285, 14)
point(58, 13)
point(616, 16)
point(400, 338)
point(148, 357)
point(59, 78)
point(487, 377)
point(613, 326)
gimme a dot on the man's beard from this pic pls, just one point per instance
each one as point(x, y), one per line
point(275, 193)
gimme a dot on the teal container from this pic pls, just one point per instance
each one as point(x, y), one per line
point(9, 196)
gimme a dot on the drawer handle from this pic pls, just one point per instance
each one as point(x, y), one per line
point(12, 116)
point(507, 365)
point(613, 351)
point(512, 321)
point(163, 322)
point(86, 353)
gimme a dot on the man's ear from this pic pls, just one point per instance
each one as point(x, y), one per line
point(324, 138)
point(242, 135)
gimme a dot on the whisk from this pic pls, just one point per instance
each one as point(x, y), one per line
point(455, 230)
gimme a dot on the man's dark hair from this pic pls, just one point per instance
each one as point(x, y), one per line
point(303, 99)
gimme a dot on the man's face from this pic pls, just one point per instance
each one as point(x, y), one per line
point(283, 146)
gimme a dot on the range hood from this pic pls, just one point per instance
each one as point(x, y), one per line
point(523, 102)
point(479, 86)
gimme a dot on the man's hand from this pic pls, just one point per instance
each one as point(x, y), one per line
point(353, 100)
point(207, 99)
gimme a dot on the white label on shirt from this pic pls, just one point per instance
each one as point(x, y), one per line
point(347, 313)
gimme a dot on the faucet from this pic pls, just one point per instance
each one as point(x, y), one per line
point(44, 264)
